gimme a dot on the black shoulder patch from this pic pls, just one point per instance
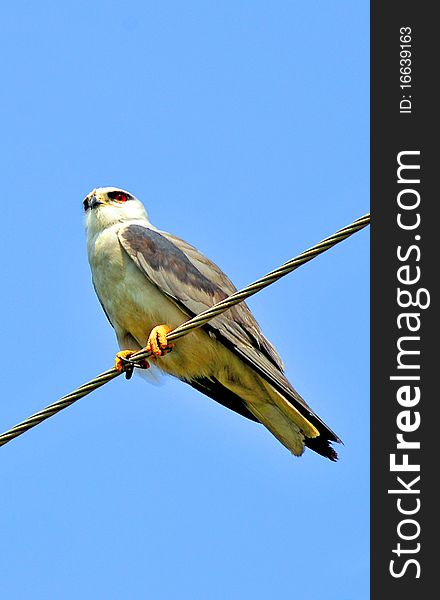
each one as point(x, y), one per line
point(160, 253)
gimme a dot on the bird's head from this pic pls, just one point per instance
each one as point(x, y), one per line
point(105, 206)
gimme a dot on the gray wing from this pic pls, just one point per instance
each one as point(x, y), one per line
point(195, 284)
point(241, 314)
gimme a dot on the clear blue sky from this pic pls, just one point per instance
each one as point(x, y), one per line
point(243, 126)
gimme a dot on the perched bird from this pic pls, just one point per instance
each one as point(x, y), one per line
point(149, 281)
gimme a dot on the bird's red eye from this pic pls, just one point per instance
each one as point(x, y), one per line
point(119, 196)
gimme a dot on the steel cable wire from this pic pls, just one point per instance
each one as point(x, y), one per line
point(194, 323)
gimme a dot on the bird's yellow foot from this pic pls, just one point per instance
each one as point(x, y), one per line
point(122, 363)
point(157, 341)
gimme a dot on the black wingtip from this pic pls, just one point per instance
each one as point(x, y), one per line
point(322, 447)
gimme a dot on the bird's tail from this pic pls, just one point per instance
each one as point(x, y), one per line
point(315, 434)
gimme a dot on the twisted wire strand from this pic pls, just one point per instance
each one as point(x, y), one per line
point(183, 329)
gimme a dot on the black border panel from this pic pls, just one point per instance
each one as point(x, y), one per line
point(405, 328)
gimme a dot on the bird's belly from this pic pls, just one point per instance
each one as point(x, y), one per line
point(135, 305)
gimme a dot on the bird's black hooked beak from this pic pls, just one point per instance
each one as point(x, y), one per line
point(91, 202)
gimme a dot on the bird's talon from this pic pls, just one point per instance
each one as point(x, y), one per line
point(129, 371)
point(157, 341)
point(142, 364)
point(123, 364)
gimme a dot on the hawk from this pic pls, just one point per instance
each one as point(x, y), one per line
point(149, 282)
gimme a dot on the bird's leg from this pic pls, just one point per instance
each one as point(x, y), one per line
point(157, 342)
point(122, 363)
